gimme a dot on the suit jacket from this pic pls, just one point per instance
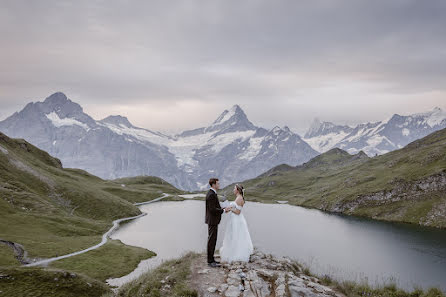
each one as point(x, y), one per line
point(213, 209)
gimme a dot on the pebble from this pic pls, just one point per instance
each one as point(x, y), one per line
point(212, 289)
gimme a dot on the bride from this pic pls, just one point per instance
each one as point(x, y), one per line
point(237, 245)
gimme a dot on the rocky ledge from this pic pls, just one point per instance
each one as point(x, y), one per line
point(263, 276)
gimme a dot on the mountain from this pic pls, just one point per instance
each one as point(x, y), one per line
point(323, 136)
point(375, 138)
point(230, 148)
point(405, 185)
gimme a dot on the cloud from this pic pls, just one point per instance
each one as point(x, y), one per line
point(272, 55)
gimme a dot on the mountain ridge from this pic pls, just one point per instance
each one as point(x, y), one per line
point(375, 137)
point(230, 147)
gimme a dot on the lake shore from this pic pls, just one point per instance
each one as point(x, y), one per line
point(263, 276)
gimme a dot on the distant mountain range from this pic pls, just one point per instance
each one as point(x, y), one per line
point(231, 148)
point(405, 185)
point(375, 138)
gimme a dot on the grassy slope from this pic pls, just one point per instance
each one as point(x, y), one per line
point(36, 282)
point(98, 263)
point(336, 178)
point(52, 211)
point(140, 188)
point(173, 273)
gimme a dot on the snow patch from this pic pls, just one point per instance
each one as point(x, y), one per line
point(255, 145)
point(325, 142)
point(431, 118)
point(405, 132)
point(58, 122)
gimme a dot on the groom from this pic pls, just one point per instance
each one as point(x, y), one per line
point(213, 217)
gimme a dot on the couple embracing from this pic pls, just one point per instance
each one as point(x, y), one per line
point(237, 245)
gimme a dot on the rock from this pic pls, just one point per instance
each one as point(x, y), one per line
point(258, 285)
point(301, 291)
point(166, 287)
point(232, 291)
point(248, 293)
point(266, 273)
point(256, 280)
point(280, 291)
point(223, 287)
point(280, 286)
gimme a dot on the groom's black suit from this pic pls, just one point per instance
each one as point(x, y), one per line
point(213, 218)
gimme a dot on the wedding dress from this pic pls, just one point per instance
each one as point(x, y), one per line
point(237, 244)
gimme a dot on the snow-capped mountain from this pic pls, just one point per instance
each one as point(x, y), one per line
point(323, 136)
point(375, 138)
point(231, 148)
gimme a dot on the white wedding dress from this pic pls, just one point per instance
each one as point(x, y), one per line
point(237, 244)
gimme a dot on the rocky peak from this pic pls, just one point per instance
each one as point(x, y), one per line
point(56, 98)
point(117, 120)
point(319, 128)
point(231, 120)
point(60, 104)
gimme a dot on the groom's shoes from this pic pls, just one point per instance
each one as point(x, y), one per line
point(214, 264)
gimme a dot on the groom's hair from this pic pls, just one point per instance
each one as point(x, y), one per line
point(213, 181)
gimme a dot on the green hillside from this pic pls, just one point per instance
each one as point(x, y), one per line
point(51, 210)
point(406, 185)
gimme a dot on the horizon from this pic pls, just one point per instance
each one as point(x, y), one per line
point(177, 131)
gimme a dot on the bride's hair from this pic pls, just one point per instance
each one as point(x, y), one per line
point(241, 190)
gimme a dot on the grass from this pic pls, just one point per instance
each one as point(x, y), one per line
point(36, 282)
point(169, 279)
point(112, 260)
point(7, 256)
point(337, 178)
point(352, 289)
point(53, 211)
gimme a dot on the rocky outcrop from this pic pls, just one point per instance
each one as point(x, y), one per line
point(402, 190)
point(263, 276)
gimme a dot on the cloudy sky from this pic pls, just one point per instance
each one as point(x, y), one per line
point(174, 65)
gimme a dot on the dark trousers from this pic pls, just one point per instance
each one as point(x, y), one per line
point(212, 241)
